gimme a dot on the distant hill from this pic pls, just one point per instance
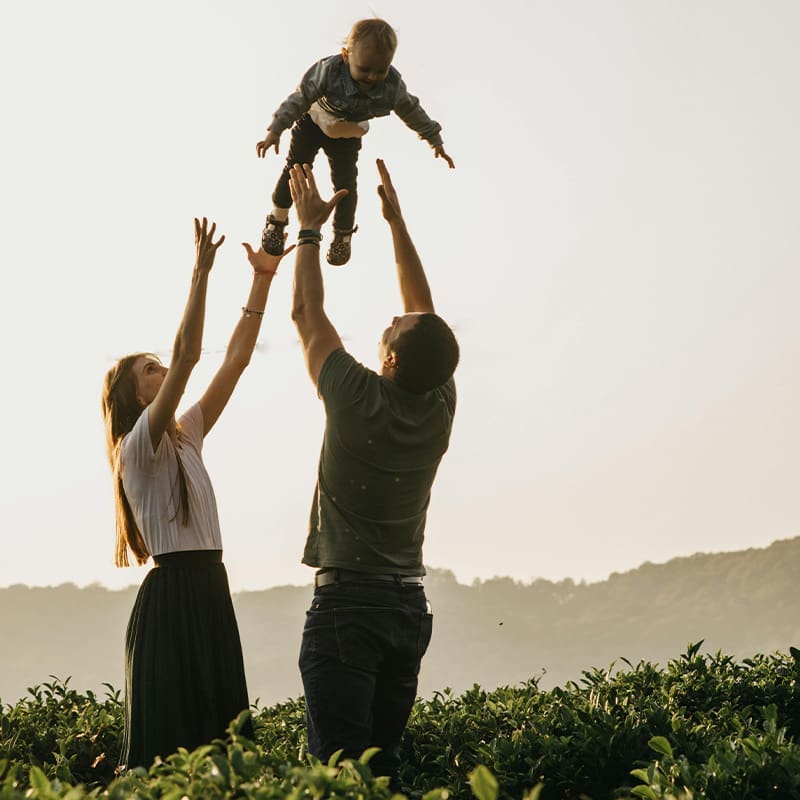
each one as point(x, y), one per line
point(495, 632)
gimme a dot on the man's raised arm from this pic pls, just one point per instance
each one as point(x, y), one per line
point(414, 289)
point(317, 334)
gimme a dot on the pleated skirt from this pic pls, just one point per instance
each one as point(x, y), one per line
point(184, 671)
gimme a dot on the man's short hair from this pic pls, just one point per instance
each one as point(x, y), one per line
point(427, 355)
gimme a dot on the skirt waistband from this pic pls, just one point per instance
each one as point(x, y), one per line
point(188, 558)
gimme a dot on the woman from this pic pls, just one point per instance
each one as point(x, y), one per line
point(184, 673)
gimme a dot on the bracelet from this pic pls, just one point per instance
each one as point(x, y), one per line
point(315, 242)
point(248, 312)
point(264, 271)
point(309, 233)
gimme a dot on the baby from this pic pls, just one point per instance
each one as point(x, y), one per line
point(330, 110)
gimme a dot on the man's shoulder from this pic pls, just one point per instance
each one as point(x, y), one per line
point(340, 360)
point(342, 374)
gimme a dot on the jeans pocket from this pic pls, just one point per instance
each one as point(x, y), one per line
point(319, 637)
point(425, 633)
point(361, 633)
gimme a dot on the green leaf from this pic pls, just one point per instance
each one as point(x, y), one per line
point(368, 754)
point(644, 791)
point(436, 794)
point(661, 745)
point(483, 783)
point(534, 793)
point(39, 780)
point(692, 649)
point(237, 759)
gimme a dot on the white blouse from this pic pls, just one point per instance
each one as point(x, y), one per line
point(152, 485)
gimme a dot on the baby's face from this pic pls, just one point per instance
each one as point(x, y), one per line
point(368, 64)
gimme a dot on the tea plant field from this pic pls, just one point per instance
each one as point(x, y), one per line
point(700, 726)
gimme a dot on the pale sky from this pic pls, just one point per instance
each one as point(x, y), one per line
point(616, 249)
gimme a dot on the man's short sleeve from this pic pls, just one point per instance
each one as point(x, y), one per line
point(447, 391)
point(342, 380)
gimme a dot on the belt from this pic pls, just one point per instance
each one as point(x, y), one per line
point(342, 576)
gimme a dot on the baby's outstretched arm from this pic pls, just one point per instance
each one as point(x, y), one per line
point(438, 152)
point(271, 140)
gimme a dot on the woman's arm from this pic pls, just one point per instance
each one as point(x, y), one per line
point(243, 339)
point(189, 339)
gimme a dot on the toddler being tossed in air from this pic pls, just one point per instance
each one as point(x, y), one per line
point(330, 109)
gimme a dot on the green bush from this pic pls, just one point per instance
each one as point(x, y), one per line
point(703, 726)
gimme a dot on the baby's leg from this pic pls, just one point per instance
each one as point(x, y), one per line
point(306, 140)
point(305, 143)
point(343, 159)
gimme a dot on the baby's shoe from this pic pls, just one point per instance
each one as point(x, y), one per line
point(339, 249)
point(272, 238)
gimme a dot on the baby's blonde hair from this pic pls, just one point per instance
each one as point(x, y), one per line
point(376, 31)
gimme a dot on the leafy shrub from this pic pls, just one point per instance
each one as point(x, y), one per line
point(703, 726)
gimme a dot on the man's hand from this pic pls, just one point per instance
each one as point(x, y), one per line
point(271, 140)
point(390, 205)
point(206, 247)
point(439, 152)
point(311, 209)
point(262, 262)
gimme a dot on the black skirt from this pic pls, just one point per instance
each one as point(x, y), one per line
point(184, 672)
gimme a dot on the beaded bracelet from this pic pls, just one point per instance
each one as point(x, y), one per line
point(264, 271)
point(308, 241)
point(248, 312)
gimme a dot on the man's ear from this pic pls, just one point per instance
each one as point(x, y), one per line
point(390, 362)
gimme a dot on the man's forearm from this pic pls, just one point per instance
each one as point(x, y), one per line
point(414, 289)
point(309, 291)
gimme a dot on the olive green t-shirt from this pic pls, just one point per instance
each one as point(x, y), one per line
point(381, 449)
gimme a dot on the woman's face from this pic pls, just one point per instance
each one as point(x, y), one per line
point(149, 373)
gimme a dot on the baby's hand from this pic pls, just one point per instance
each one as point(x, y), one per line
point(438, 152)
point(271, 140)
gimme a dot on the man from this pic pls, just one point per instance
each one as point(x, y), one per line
point(369, 623)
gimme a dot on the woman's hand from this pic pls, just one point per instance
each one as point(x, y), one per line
point(262, 262)
point(206, 247)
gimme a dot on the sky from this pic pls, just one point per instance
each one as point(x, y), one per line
point(616, 251)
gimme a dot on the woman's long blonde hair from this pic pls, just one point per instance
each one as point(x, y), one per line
point(121, 409)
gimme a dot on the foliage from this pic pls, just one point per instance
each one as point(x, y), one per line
point(703, 726)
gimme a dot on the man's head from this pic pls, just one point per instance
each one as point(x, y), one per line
point(419, 352)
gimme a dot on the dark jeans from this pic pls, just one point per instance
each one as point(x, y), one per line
point(307, 139)
point(360, 657)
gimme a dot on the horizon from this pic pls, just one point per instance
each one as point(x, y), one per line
point(440, 570)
